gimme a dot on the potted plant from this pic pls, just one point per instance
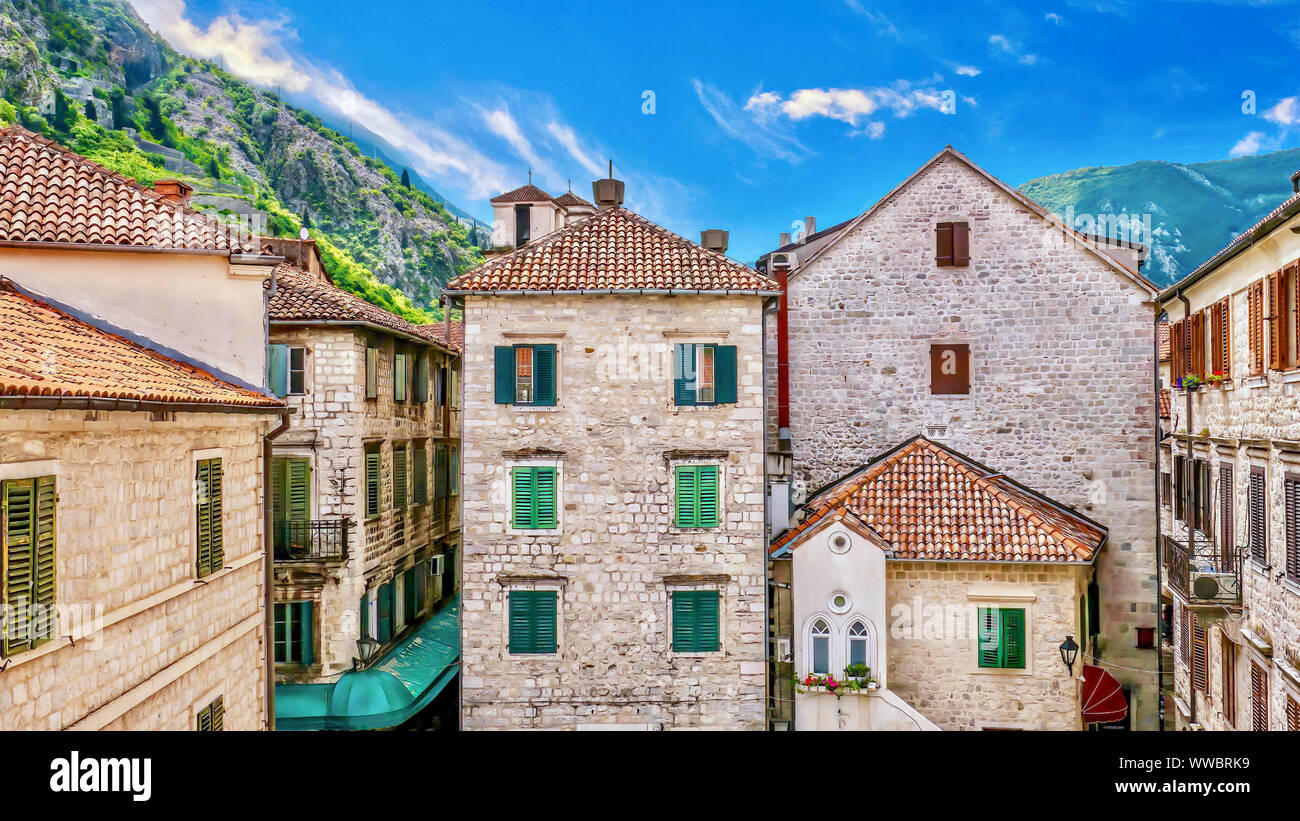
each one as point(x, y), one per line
point(1190, 382)
point(1216, 379)
point(860, 673)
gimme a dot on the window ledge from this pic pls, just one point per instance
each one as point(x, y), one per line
point(1291, 585)
point(1289, 377)
point(1254, 382)
point(535, 408)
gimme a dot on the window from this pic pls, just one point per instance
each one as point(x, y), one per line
point(704, 374)
point(1201, 495)
point(212, 718)
point(1196, 345)
point(1200, 656)
point(442, 386)
point(1291, 502)
point(1166, 487)
point(421, 378)
point(820, 642)
point(695, 621)
point(294, 633)
point(453, 472)
point(532, 622)
point(1002, 637)
point(1227, 547)
point(29, 537)
point(374, 473)
point(400, 365)
point(372, 372)
point(441, 471)
point(207, 494)
point(1258, 698)
point(420, 469)
point(1228, 668)
point(859, 644)
point(1180, 482)
point(1185, 635)
point(949, 369)
point(697, 495)
point(525, 375)
point(1280, 349)
point(1221, 338)
point(1178, 351)
point(1256, 317)
point(384, 612)
point(523, 224)
point(1292, 714)
point(952, 244)
point(286, 370)
point(399, 476)
point(533, 503)
point(297, 371)
point(1258, 524)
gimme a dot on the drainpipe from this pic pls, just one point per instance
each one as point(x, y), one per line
point(1188, 464)
point(1160, 656)
point(268, 548)
point(782, 271)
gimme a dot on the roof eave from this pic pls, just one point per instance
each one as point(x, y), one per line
point(39, 402)
point(615, 291)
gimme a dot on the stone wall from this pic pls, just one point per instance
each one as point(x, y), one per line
point(333, 423)
point(1062, 363)
point(612, 435)
point(152, 644)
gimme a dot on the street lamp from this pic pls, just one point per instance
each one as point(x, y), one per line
point(1069, 652)
point(366, 650)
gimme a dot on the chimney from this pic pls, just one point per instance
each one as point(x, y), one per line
point(715, 239)
point(809, 227)
point(173, 191)
point(785, 239)
point(607, 193)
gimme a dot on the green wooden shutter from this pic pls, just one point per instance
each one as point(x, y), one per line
point(280, 637)
point(399, 377)
point(544, 498)
point(684, 374)
point(385, 602)
point(277, 369)
point(214, 515)
point(279, 478)
point(363, 615)
point(544, 374)
point(204, 720)
point(505, 375)
point(372, 372)
point(298, 490)
point(990, 638)
point(211, 549)
point(307, 632)
point(441, 471)
point(706, 505)
point(532, 621)
point(399, 477)
point(453, 471)
point(43, 627)
point(422, 378)
point(19, 562)
point(218, 710)
point(724, 374)
point(695, 621)
point(523, 509)
point(1013, 638)
point(421, 471)
point(373, 470)
point(687, 496)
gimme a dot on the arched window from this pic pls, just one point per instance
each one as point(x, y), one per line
point(821, 647)
point(859, 644)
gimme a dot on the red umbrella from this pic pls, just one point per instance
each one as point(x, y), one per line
point(1103, 698)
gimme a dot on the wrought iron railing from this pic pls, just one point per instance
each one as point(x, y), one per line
point(1203, 573)
point(322, 540)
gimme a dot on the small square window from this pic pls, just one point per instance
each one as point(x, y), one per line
point(532, 623)
point(297, 371)
point(695, 621)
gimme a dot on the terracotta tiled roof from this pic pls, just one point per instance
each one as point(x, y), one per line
point(1164, 404)
point(51, 194)
point(449, 336)
point(569, 199)
point(302, 297)
point(1162, 342)
point(45, 352)
point(524, 193)
point(930, 502)
point(613, 249)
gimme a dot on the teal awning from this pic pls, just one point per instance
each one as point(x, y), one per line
point(389, 692)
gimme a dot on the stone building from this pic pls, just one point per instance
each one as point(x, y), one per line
point(957, 309)
point(365, 501)
point(613, 482)
point(132, 423)
point(1230, 481)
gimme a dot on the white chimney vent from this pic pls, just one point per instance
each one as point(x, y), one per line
point(715, 239)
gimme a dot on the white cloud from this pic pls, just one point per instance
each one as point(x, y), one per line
point(1001, 44)
point(1250, 144)
point(967, 71)
point(1285, 113)
point(848, 105)
point(756, 126)
point(566, 137)
point(883, 24)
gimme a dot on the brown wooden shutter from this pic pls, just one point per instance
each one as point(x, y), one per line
point(961, 243)
point(943, 244)
point(1291, 503)
point(1258, 521)
point(1228, 668)
point(1200, 662)
point(1276, 323)
point(1185, 639)
point(1292, 714)
point(1196, 364)
point(1221, 338)
point(1177, 359)
point(1227, 550)
point(1258, 698)
point(1255, 311)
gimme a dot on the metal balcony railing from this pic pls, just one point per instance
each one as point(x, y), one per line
point(322, 540)
point(1203, 573)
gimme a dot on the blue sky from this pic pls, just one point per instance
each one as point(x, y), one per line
point(765, 112)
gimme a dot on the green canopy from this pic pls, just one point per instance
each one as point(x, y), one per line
point(387, 693)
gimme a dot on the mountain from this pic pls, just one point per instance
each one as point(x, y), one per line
point(1195, 208)
point(91, 75)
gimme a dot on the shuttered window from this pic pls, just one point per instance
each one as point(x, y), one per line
point(1221, 338)
point(1227, 548)
point(532, 621)
point(697, 495)
point(1292, 714)
point(443, 479)
point(400, 366)
point(212, 718)
point(1002, 637)
point(1291, 501)
point(952, 244)
point(294, 633)
point(420, 471)
point(399, 476)
point(208, 506)
point(1196, 344)
point(526, 375)
point(1258, 698)
point(1279, 322)
point(374, 474)
point(695, 621)
point(1201, 495)
point(1178, 351)
point(421, 378)
point(1180, 482)
point(453, 471)
point(1228, 668)
point(277, 371)
point(704, 374)
point(1256, 317)
point(533, 503)
point(290, 489)
point(372, 372)
point(30, 533)
point(1257, 501)
point(1200, 657)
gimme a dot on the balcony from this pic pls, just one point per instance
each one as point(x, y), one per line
point(1203, 574)
point(322, 540)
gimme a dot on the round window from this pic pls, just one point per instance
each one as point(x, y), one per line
point(840, 543)
point(839, 602)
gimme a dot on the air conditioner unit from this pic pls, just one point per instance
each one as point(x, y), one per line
point(1215, 586)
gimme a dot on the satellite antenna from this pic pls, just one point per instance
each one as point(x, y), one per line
point(303, 234)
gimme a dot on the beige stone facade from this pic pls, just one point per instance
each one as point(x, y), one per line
point(1248, 674)
point(142, 642)
point(614, 435)
point(1061, 347)
point(333, 428)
